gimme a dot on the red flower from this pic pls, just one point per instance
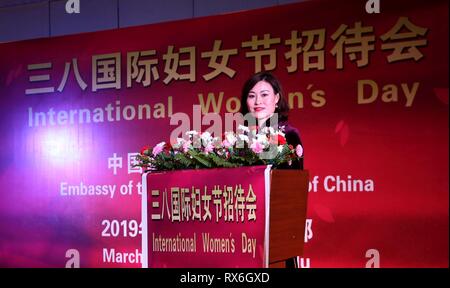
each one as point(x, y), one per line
point(281, 140)
point(277, 139)
point(167, 148)
point(144, 149)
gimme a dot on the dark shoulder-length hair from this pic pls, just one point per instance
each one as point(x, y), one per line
point(283, 107)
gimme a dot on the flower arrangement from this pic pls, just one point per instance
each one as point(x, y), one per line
point(247, 148)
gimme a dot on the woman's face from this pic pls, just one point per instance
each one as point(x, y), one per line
point(261, 101)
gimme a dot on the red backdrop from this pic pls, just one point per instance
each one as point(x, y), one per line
point(369, 94)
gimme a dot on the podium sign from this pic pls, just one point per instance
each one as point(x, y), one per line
point(205, 218)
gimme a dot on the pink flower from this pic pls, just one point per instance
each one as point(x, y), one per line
point(186, 146)
point(230, 138)
point(257, 147)
point(209, 148)
point(299, 150)
point(226, 144)
point(158, 148)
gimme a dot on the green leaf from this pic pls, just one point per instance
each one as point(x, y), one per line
point(201, 160)
point(185, 161)
point(220, 162)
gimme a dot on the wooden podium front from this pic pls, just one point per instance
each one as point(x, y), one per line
point(288, 203)
point(281, 224)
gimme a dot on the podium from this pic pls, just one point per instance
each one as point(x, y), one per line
point(262, 226)
point(288, 207)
